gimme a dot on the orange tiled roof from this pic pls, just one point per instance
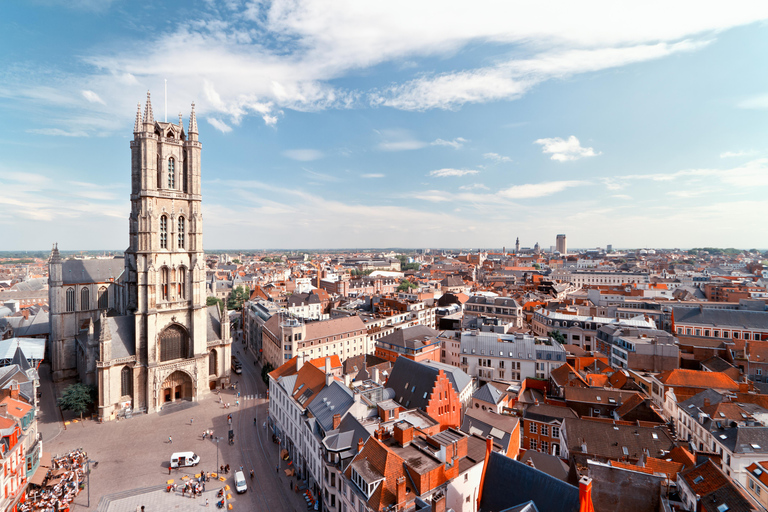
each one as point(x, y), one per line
point(319, 362)
point(668, 467)
point(683, 456)
point(597, 380)
point(16, 408)
point(698, 379)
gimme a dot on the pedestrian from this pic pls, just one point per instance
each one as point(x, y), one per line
point(237, 403)
point(277, 468)
point(191, 420)
point(142, 508)
point(169, 470)
point(170, 440)
point(204, 432)
point(238, 394)
point(221, 469)
point(206, 502)
point(251, 474)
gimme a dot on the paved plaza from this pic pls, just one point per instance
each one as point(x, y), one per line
point(133, 454)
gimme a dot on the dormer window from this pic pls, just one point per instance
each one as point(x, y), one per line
point(365, 487)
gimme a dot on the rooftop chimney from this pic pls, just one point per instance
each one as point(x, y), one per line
point(438, 502)
point(328, 374)
point(336, 421)
point(360, 445)
point(585, 495)
point(299, 361)
point(401, 493)
point(4, 410)
point(403, 433)
point(706, 402)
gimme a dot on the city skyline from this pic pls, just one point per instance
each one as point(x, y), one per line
point(400, 126)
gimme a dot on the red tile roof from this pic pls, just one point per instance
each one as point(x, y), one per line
point(698, 379)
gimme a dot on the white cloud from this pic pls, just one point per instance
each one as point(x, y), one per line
point(755, 102)
point(444, 173)
point(401, 145)
point(58, 132)
point(564, 150)
point(372, 175)
point(303, 155)
point(93, 97)
point(219, 125)
point(474, 186)
point(732, 154)
point(496, 157)
point(254, 58)
point(455, 143)
point(538, 189)
point(321, 175)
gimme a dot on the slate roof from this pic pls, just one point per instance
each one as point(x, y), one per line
point(33, 348)
point(746, 439)
point(457, 376)
point(123, 330)
point(615, 441)
point(412, 382)
point(547, 413)
point(91, 271)
point(549, 464)
point(410, 337)
point(707, 480)
point(303, 299)
point(213, 332)
point(602, 396)
point(721, 318)
point(344, 439)
point(717, 364)
point(331, 400)
point(484, 424)
point(495, 301)
point(489, 394)
point(509, 483)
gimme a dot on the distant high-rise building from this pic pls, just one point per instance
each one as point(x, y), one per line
point(560, 244)
point(609, 248)
point(517, 245)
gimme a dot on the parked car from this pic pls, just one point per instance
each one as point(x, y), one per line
point(184, 459)
point(240, 485)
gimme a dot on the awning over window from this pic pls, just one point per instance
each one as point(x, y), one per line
point(39, 476)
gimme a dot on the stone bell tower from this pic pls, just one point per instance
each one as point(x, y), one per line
point(165, 267)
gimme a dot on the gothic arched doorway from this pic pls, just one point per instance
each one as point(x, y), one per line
point(178, 386)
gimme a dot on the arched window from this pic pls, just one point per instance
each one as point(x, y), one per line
point(126, 382)
point(85, 299)
point(103, 298)
point(180, 234)
point(159, 172)
point(185, 169)
point(171, 174)
point(164, 280)
point(163, 232)
point(181, 283)
point(174, 343)
point(70, 300)
point(213, 363)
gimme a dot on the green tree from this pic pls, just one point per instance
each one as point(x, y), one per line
point(237, 296)
point(557, 336)
point(77, 398)
point(210, 301)
point(406, 285)
point(265, 372)
point(536, 266)
point(236, 261)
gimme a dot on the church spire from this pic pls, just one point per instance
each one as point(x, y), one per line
point(104, 332)
point(193, 120)
point(139, 119)
point(181, 124)
point(55, 257)
point(148, 117)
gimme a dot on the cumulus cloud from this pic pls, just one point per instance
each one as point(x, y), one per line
point(474, 186)
point(565, 150)
point(372, 175)
point(538, 189)
point(219, 125)
point(444, 173)
point(496, 157)
point(93, 97)
point(733, 154)
point(303, 155)
point(455, 143)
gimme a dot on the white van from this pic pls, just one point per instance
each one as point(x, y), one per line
point(184, 459)
point(240, 485)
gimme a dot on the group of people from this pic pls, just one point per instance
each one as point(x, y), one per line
point(60, 486)
point(192, 488)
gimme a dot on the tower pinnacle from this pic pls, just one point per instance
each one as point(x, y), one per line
point(193, 120)
point(139, 119)
point(148, 117)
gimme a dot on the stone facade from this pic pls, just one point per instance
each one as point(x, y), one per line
point(152, 339)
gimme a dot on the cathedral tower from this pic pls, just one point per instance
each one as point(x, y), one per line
point(177, 357)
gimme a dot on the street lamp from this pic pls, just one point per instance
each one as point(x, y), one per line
point(88, 476)
point(217, 439)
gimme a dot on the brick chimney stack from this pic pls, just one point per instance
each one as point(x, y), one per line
point(438, 502)
point(336, 421)
point(360, 445)
point(585, 495)
point(401, 493)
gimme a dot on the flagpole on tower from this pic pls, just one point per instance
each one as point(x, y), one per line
point(166, 100)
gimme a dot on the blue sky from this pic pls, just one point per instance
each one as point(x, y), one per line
point(394, 124)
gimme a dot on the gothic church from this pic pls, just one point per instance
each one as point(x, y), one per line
point(138, 327)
